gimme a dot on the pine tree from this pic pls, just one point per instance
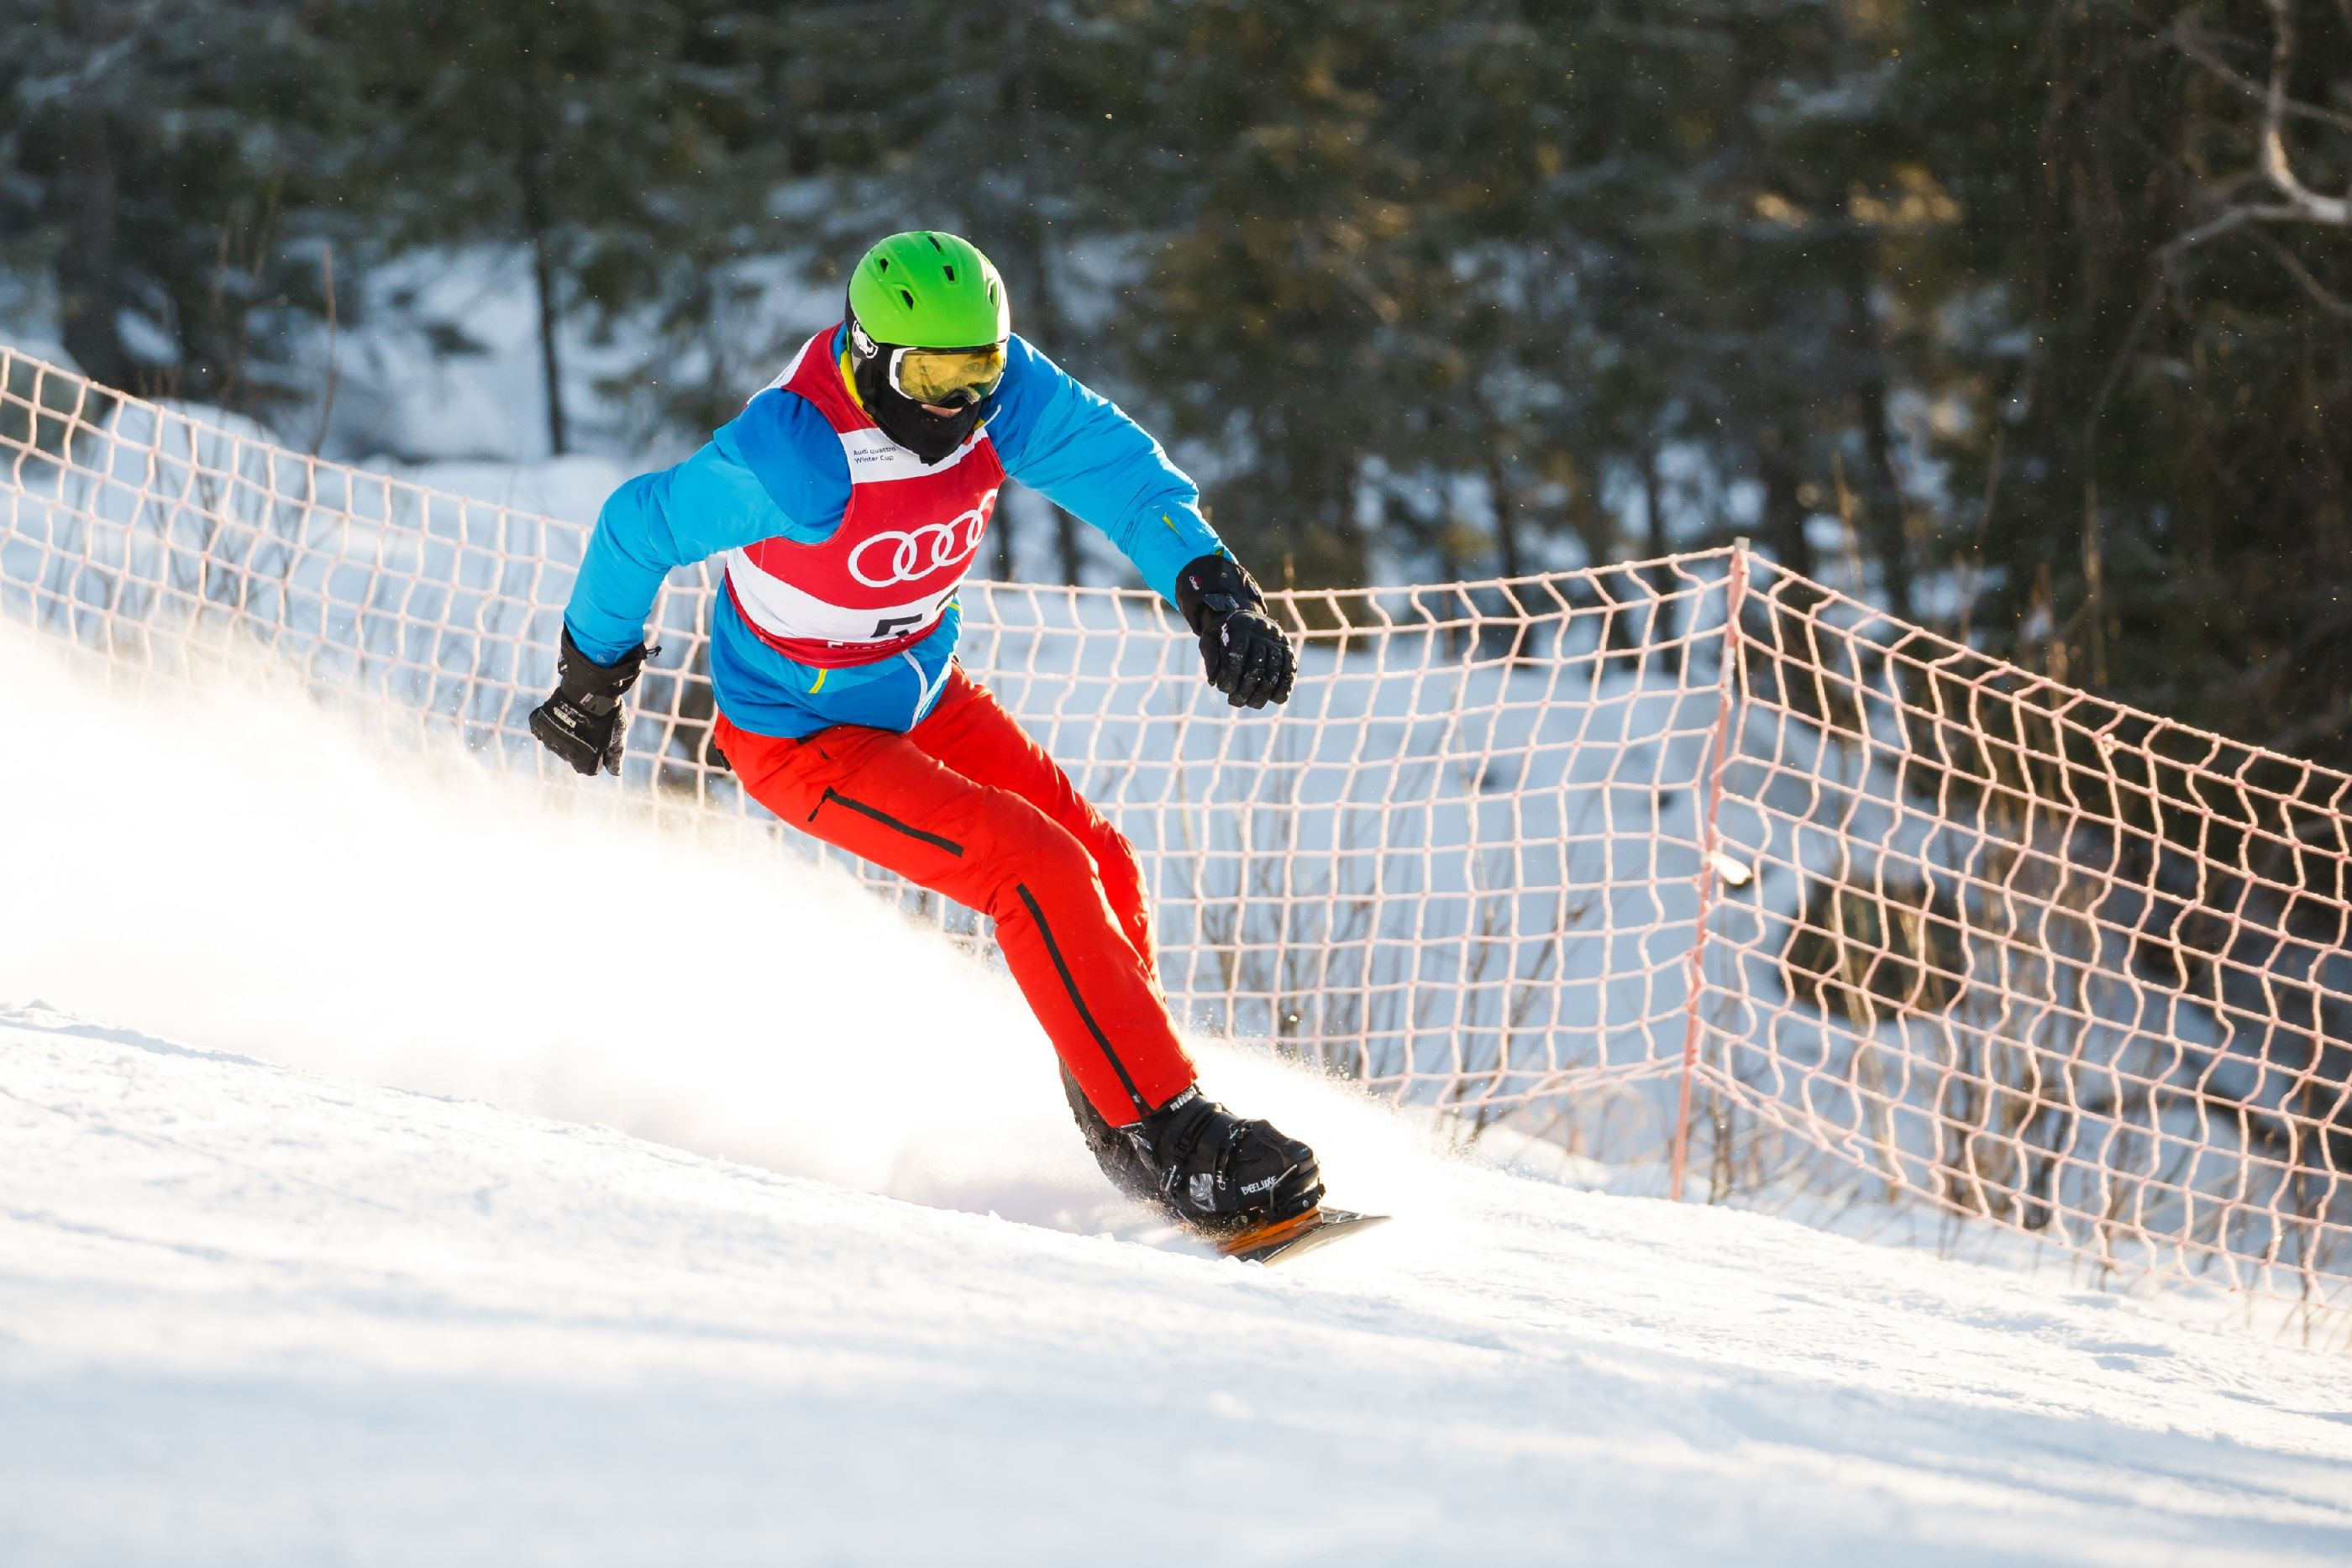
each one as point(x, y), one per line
point(1010, 125)
point(604, 139)
point(1281, 321)
point(176, 170)
point(2148, 475)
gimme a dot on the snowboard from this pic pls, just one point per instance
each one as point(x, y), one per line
point(1289, 1239)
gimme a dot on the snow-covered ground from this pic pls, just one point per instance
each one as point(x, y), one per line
point(759, 1234)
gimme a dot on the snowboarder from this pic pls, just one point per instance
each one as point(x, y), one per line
point(850, 497)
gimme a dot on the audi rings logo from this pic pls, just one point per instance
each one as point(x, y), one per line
point(881, 561)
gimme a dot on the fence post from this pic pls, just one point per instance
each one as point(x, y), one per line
point(1734, 593)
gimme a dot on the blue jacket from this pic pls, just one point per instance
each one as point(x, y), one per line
point(778, 469)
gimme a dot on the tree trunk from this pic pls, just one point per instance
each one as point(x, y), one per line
point(1000, 523)
point(1654, 507)
point(537, 224)
point(1507, 520)
point(88, 278)
point(1041, 309)
point(1593, 521)
point(1029, 243)
point(1510, 558)
point(1882, 497)
point(543, 272)
point(1883, 520)
point(1344, 476)
point(1783, 527)
point(1657, 546)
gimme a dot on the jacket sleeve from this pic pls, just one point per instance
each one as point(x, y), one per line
point(766, 474)
point(1085, 455)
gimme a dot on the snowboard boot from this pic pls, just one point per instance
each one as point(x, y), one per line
point(1214, 1172)
point(1109, 1146)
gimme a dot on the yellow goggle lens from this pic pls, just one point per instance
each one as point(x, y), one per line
point(948, 375)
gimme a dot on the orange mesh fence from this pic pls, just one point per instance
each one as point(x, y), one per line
point(1691, 859)
point(2045, 959)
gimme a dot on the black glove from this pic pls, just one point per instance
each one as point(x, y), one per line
point(583, 722)
point(1246, 656)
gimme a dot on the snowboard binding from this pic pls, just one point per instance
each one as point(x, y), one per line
point(1214, 1173)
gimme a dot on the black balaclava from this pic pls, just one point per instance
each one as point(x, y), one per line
point(930, 436)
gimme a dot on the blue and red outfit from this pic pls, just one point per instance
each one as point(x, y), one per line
point(841, 709)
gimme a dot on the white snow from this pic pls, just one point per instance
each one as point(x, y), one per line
point(263, 1301)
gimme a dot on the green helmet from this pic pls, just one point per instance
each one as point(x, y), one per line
point(924, 289)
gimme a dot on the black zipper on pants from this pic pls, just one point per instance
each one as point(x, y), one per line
point(885, 819)
point(1053, 951)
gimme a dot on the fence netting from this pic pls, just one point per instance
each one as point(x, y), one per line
point(1691, 859)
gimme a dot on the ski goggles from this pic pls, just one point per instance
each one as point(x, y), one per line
point(947, 377)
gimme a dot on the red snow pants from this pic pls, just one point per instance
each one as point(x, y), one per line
point(967, 805)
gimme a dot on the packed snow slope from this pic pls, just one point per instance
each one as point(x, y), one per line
point(756, 1233)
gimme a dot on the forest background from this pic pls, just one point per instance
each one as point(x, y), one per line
point(2033, 318)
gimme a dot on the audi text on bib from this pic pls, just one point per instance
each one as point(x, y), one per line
point(910, 532)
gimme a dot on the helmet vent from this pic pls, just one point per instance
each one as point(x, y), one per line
point(949, 271)
point(908, 297)
point(881, 263)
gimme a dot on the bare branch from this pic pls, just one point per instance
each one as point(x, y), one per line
point(2335, 210)
point(2231, 218)
point(2320, 294)
point(2190, 41)
point(2292, 202)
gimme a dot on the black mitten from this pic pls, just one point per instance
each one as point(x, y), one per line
point(583, 723)
point(1245, 655)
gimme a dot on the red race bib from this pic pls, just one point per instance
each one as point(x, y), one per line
point(909, 534)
